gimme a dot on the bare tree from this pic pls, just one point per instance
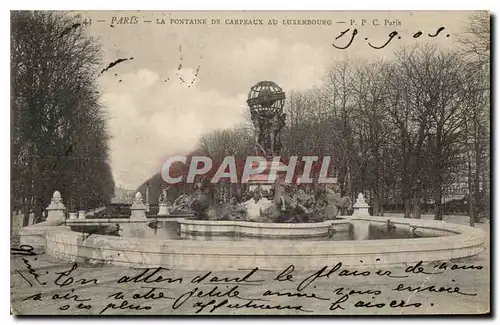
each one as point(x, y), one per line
point(59, 137)
point(476, 39)
point(475, 44)
point(337, 97)
point(371, 130)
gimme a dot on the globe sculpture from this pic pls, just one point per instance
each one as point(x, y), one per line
point(266, 100)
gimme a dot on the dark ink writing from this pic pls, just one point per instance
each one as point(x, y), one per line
point(440, 29)
point(444, 266)
point(392, 35)
point(69, 296)
point(340, 291)
point(291, 294)
point(35, 297)
point(117, 295)
point(389, 274)
point(64, 278)
point(32, 271)
point(244, 279)
point(354, 33)
point(318, 274)
point(392, 304)
point(124, 306)
point(148, 278)
point(151, 294)
point(432, 288)
point(214, 292)
point(323, 273)
point(337, 304)
point(249, 304)
point(23, 250)
point(286, 275)
point(417, 268)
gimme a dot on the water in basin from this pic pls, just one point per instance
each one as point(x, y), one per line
point(168, 230)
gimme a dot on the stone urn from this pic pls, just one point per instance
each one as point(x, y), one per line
point(56, 210)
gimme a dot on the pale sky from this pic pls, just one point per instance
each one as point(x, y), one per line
point(153, 114)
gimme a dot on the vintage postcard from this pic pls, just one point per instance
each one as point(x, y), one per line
point(250, 163)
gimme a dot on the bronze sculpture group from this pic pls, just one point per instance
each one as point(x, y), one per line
point(287, 203)
point(268, 133)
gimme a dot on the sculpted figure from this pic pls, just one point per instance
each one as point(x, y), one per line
point(182, 204)
point(277, 123)
point(334, 201)
point(202, 201)
point(163, 195)
point(303, 204)
point(259, 131)
point(284, 201)
point(232, 211)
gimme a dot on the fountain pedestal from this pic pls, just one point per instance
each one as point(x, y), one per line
point(267, 178)
point(360, 228)
point(81, 215)
point(55, 211)
point(163, 209)
point(138, 208)
point(360, 207)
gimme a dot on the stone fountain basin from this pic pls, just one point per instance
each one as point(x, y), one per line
point(455, 241)
point(260, 229)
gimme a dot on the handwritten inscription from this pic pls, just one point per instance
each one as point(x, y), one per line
point(65, 278)
point(23, 250)
point(346, 38)
point(285, 291)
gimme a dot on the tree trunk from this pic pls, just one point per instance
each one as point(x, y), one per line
point(477, 190)
point(383, 201)
point(376, 204)
point(438, 178)
point(471, 212)
point(25, 211)
point(407, 207)
point(417, 211)
point(438, 206)
point(472, 217)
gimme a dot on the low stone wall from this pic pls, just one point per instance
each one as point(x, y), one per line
point(463, 241)
point(35, 235)
point(264, 230)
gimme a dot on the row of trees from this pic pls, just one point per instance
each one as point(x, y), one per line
point(410, 131)
point(59, 139)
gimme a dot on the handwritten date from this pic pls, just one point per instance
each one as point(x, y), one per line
point(351, 35)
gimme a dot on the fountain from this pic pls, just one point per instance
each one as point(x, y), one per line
point(271, 198)
point(231, 245)
point(274, 227)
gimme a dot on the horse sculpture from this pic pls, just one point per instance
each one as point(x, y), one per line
point(182, 204)
point(291, 206)
point(334, 202)
point(203, 199)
